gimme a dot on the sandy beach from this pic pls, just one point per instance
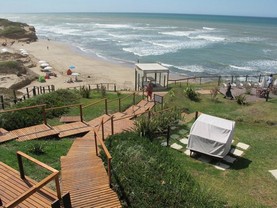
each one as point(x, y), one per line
point(60, 56)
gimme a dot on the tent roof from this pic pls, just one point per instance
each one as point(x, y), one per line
point(150, 68)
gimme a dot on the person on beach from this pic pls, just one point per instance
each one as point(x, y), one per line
point(149, 91)
point(270, 81)
point(228, 91)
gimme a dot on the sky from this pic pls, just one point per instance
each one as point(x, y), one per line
point(261, 8)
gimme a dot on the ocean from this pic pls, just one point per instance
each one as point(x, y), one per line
point(190, 45)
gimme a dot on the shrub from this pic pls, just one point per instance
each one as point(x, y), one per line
point(85, 92)
point(158, 123)
point(191, 94)
point(33, 116)
point(37, 149)
point(241, 99)
point(214, 93)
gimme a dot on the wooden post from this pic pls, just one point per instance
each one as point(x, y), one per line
point(103, 131)
point(49, 89)
point(109, 171)
point(119, 104)
point(43, 89)
point(53, 87)
point(27, 89)
point(44, 115)
point(260, 76)
point(112, 125)
point(134, 98)
point(136, 77)
point(219, 80)
point(106, 106)
point(232, 79)
point(114, 87)
point(34, 91)
point(97, 87)
point(2, 102)
point(58, 188)
point(196, 115)
point(15, 98)
point(96, 145)
point(20, 165)
point(81, 113)
point(167, 136)
point(149, 115)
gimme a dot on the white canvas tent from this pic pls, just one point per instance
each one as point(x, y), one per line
point(211, 135)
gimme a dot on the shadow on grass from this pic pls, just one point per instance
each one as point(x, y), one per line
point(241, 163)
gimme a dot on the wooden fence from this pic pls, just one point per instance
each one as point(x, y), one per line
point(219, 79)
point(38, 90)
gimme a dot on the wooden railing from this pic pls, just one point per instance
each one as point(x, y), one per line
point(68, 106)
point(100, 142)
point(219, 78)
point(53, 176)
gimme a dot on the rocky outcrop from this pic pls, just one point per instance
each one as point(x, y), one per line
point(17, 31)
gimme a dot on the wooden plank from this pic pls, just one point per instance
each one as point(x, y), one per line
point(70, 119)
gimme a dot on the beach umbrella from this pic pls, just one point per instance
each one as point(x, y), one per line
point(42, 61)
point(44, 65)
point(75, 74)
point(71, 67)
point(48, 68)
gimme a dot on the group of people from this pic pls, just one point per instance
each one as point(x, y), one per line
point(228, 93)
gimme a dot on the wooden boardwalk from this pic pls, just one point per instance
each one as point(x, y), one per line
point(83, 173)
point(85, 177)
point(12, 186)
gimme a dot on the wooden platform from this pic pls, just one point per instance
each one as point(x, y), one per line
point(71, 129)
point(85, 177)
point(6, 135)
point(69, 119)
point(34, 132)
point(12, 186)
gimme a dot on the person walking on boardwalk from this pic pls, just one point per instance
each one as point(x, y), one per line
point(149, 91)
point(228, 92)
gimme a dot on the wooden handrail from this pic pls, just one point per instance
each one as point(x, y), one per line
point(24, 108)
point(65, 106)
point(106, 151)
point(99, 101)
point(54, 175)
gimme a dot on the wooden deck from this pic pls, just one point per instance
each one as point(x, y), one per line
point(85, 177)
point(70, 129)
point(6, 135)
point(12, 186)
point(34, 132)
